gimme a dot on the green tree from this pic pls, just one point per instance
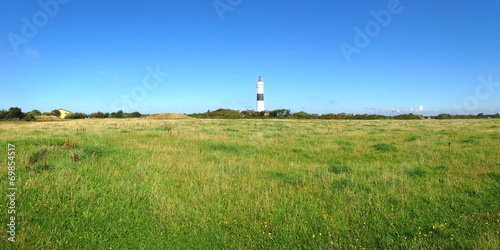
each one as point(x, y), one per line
point(343, 116)
point(409, 116)
point(117, 114)
point(328, 116)
point(305, 115)
point(134, 114)
point(29, 117)
point(55, 112)
point(443, 116)
point(3, 114)
point(98, 115)
point(76, 116)
point(15, 113)
point(36, 112)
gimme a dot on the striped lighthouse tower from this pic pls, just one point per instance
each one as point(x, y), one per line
point(260, 95)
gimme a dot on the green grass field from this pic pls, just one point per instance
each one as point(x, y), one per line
point(259, 184)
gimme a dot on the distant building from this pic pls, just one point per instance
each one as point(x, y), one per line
point(64, 113)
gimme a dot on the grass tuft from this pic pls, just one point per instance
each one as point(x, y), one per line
point(339, 169)
point(223, 148)
point(417, 172)
point(493, 175)
point(347, 183)
point(289, 177)
point(94, 151)
point(413, 138)
point(384, 147)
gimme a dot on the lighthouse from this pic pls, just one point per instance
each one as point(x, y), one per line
point(260, 95)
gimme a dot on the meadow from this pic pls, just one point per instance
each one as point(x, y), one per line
point(253, 184)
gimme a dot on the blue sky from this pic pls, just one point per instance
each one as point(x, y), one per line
point(419, 56)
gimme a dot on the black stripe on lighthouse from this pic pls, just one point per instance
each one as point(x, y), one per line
point(260, 97)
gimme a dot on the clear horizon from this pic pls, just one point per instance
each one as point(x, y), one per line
point(377, 57)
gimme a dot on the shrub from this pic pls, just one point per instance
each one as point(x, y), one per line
point(29, 117)
point(409, 116)
point(99, 115)
point(76, 116)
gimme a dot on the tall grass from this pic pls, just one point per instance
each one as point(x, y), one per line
point(198, 184)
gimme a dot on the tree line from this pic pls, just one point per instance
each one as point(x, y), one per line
point(286, 114)
point(15, 113)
